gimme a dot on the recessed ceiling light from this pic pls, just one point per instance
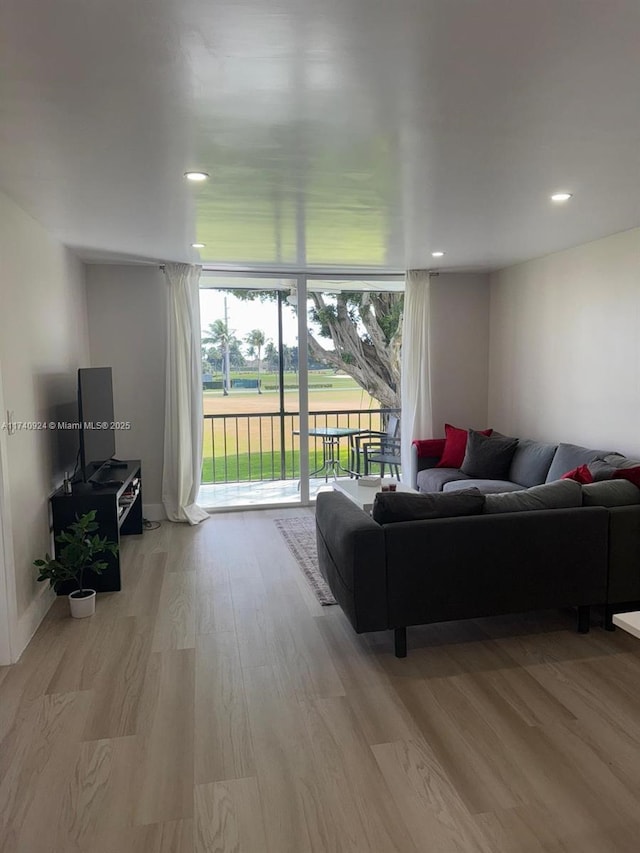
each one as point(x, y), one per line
point(198, 245)
point(560, 197)
point(196, 176)
point(437, 254)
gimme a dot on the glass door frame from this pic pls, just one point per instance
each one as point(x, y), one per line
point(303, 389)
point(301, 280)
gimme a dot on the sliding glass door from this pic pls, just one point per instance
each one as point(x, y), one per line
point(250, 392)
point(353, 344)
point(293, 370)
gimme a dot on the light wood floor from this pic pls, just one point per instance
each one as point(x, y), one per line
point(213, 705)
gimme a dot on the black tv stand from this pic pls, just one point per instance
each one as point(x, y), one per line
point(116, 463)
point(108, 464)
point(103, 483)
point(118, 506)
point(103, 477)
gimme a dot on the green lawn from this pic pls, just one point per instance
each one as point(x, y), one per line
point(241, 468)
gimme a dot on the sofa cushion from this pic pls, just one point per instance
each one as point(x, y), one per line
point(610, 493)
point(391, 507)
point(487, 457)
point(433, 479)
point(569, 456)
point(455, 446)
point(487, 487)
point(557, 495)
point(531, 462)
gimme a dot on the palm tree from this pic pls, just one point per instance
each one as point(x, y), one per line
point(271, 355)
point(218, 334)
point(255, 339)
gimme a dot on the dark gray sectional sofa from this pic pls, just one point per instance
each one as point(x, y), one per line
point(497, 561)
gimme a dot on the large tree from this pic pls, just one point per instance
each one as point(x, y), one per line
point(366, 331)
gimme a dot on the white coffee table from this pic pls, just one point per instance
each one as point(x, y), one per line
point(364, 496)
point(629, 622)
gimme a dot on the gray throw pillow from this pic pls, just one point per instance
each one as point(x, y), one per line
point(558, 495)
point(390, 507)
point(620, 461)
point(610, 493)
point(601, 470)
point(570, 456)
point(487, 457)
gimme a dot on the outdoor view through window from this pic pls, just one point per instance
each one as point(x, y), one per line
point(250, 382)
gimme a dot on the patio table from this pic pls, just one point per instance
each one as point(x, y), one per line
point(331, 437)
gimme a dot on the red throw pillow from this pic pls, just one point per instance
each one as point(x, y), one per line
point(581, 474)
point(631, 474)
point(455, 446)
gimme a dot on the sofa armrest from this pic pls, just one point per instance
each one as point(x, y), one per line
point(624, 554)
point(420, 460)
point(429, 448)
point(351, 556)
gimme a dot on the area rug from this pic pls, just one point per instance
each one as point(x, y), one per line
point(300, 536)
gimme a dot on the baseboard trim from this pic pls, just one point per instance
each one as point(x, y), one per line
point(30, 621)
point(154, 512)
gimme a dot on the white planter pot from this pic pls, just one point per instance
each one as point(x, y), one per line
point(85, 606)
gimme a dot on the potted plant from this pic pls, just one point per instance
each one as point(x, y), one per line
point(79, 549)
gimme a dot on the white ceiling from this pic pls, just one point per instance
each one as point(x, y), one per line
point(342, 132)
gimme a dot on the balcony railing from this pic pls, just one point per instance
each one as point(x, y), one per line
point(263, 445)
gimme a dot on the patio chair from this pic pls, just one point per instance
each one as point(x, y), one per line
point(381, 448)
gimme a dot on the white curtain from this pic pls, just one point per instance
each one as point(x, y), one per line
point(183, 402)
point(417, 421)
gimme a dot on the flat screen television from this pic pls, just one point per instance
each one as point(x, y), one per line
point(95, 414)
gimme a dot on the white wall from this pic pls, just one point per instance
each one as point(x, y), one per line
point(565, 346)
point(127, 330)
point(8, 615)
point(126, 307)
point(459, 333)
point(43, 340)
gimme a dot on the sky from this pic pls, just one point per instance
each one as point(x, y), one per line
point(245, 316)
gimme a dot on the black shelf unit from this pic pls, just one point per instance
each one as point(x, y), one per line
point(113, 516)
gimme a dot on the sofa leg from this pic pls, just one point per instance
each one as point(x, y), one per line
point(400, 640)
point(584, 618)
point(608, 619)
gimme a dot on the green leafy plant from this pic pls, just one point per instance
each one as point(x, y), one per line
point(80, 546)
